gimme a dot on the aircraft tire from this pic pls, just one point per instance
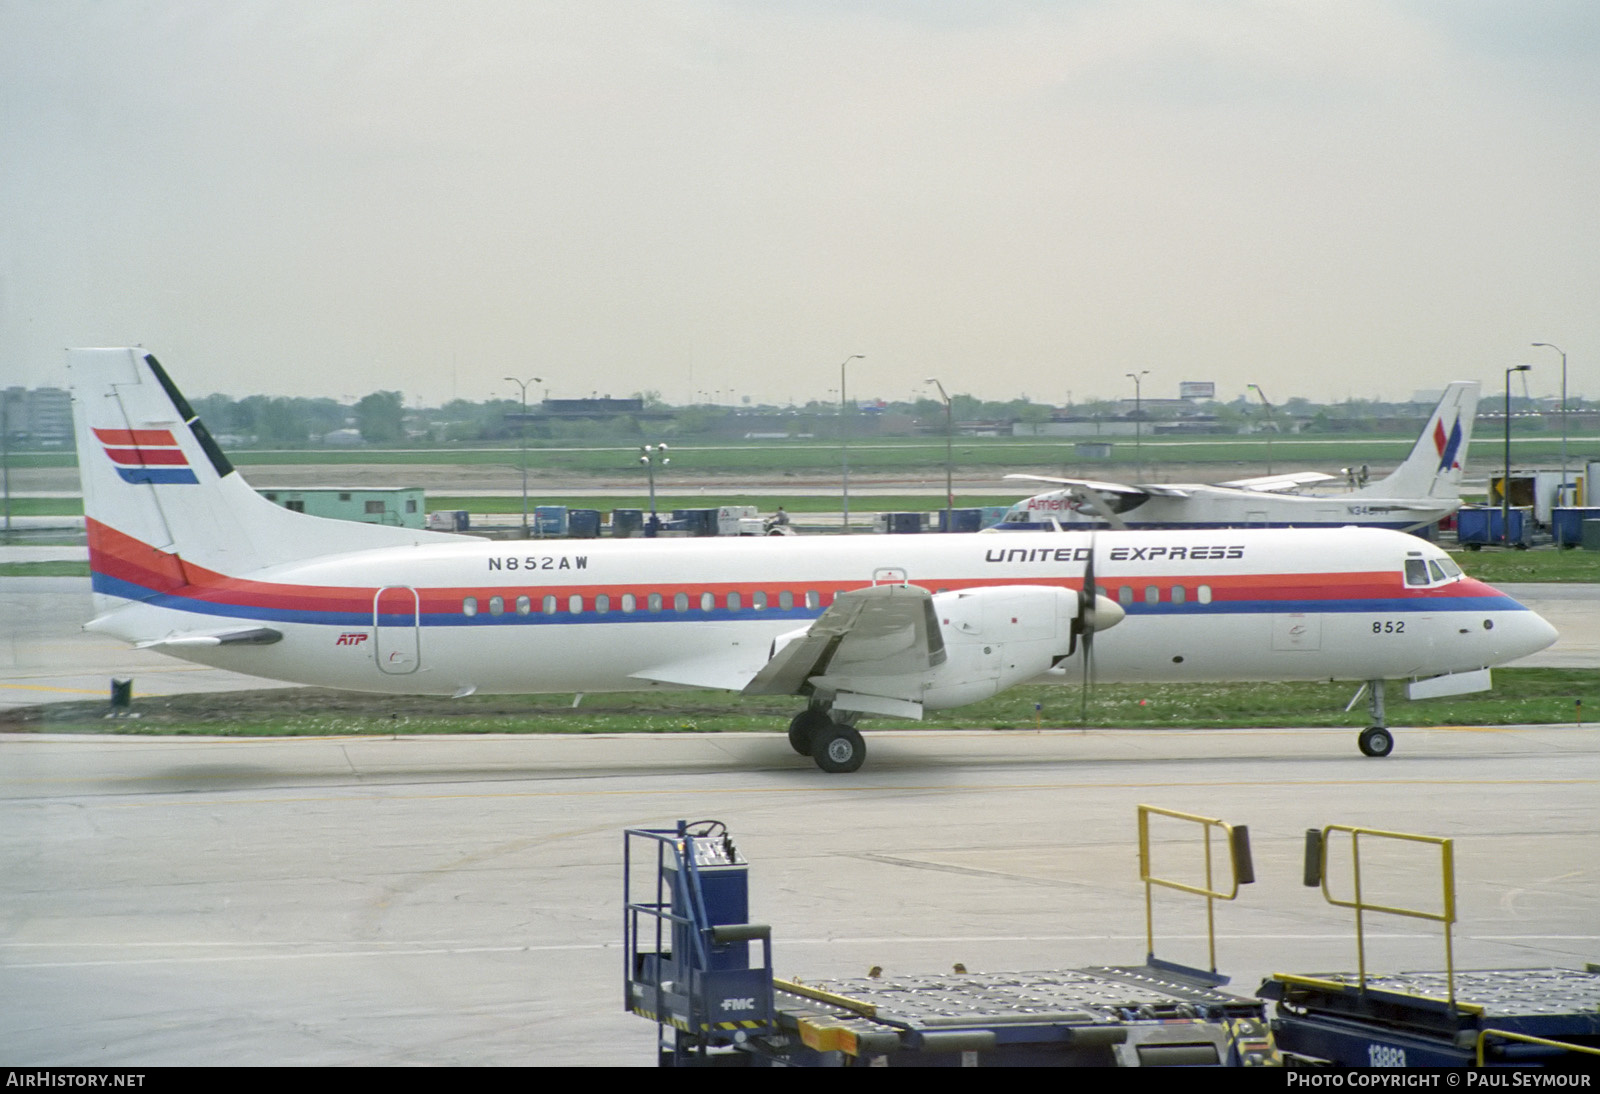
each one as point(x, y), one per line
point(1376, 741)
point(839, 749)
point(804, 727)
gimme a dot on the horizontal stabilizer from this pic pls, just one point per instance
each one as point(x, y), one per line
point(249, 636)
point(1274, 484)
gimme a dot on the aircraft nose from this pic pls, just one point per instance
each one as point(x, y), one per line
point(1524, 633)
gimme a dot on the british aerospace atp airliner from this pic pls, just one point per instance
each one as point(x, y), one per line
point(188, 560)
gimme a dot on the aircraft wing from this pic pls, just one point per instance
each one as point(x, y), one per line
point(1142, 490)
point(1273, 484)
point(884, 629)
point(720, 671)
point(1088, 484)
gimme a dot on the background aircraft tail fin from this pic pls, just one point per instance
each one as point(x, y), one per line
point(1437, 460)
point(159, 495)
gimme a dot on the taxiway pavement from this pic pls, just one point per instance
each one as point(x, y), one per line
point(458, 900)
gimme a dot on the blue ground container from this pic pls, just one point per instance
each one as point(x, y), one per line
point(627, 522)
point(902, 524)
point(961, 520)
point(1477, 526)
point(550, 520)
point(1566, 524)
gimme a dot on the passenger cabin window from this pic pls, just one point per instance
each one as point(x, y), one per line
point(758, 600)
point(680, 602)
point(497, 605)
point(1179, 594)
point(602, 603)
point(575, 603)
point(1203, 594)
point(655, 602)
point(733, 602)
point(469, 606)
point(708, 601)
point(1416, 571)
point(628, 602)
point(786, 599)
point(813, 598)
point(1152, 594)
point(524, 605)
point(550, 605)
point(1125, 595)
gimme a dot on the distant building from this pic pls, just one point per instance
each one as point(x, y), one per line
point(400, 506)
point(40, 417)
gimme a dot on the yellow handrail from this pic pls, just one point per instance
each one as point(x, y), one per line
point(1447, 875)
point(1484, 1035)
point(1238, 859)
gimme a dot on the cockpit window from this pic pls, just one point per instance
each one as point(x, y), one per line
point(1436, 570)
point(1416, 571)
point(1449, 567)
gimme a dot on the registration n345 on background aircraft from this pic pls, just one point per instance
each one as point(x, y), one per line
point(1421, 491)
point(188, 560)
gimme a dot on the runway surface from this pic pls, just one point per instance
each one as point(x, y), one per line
point(458, 900)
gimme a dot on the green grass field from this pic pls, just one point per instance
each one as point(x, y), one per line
point(894, 454)
point(766, 503)
point(1520, 696)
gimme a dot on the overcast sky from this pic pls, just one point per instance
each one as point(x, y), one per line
point(323, 197)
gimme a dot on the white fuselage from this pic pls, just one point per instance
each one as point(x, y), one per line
point(448, 617)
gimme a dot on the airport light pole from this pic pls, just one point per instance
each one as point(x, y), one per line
point(1138, 417)
point(1505, 483)
point(844, 439)
point(651, 454)
point(1558, 349)
point(522, 431)
point(1271, 421)
point(949, 458)
point(5, 455)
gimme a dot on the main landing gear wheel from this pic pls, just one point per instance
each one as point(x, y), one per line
point(1376, 741)
point(838, 749)
point(804, 727)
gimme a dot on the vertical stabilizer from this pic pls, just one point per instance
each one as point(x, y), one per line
point(1438, 459)
point(160, 497)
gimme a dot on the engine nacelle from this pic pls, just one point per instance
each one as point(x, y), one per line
point(993, 638)
point(996, 638)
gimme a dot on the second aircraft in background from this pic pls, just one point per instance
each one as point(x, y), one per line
point(1421, 491)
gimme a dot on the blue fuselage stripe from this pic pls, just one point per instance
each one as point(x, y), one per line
point(1372, 605)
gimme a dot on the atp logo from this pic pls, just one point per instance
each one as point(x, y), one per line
point(146, 455)
point(1448, 447)
point(351, 638)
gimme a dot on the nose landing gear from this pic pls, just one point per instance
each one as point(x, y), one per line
point(1376, 740)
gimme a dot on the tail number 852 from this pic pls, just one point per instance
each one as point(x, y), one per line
point(1390, 626)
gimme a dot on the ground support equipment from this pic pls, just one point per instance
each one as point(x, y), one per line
point(689, 968)
point(1106, 1016)
point(1501, 1017)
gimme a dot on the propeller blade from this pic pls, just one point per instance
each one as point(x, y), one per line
point(1086, 626)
